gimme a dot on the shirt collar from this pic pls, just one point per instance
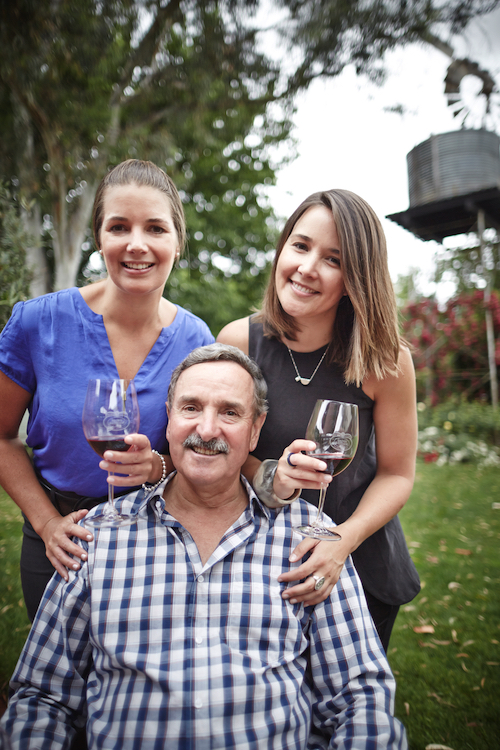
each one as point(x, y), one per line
point(144, 497)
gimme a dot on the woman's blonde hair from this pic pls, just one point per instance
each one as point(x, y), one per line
point(143, 174)
point(365, 336)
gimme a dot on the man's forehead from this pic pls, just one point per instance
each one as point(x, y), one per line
point(224, 379)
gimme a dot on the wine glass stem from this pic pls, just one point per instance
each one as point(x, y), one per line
point(322, 495)
point(111, 496)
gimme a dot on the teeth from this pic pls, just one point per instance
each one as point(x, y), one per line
point(304, 289)
point(205, 452)
point(137, 266)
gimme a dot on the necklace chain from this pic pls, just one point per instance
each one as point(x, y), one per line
point(299, 378)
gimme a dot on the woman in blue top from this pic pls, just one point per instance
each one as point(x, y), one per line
point(121, 327)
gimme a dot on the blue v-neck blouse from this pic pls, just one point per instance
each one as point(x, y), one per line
point(51, 346)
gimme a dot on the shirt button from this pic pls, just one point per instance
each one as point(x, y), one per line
point(198, 704)
point(198, 640)
point(200, 579)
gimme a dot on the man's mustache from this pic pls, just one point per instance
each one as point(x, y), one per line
point(215, 444)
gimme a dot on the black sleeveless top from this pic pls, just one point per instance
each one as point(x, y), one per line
point(382, 561)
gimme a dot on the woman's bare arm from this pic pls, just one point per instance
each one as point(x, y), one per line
point(18, 479)
point(395, 423)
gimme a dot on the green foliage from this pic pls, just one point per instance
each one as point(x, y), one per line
point(14, 275)
point(476, 419)
point(215, 299)
point(180, 84)
point(445, 647)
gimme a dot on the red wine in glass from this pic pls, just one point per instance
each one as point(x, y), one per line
point(101, 445)
point(335, 462)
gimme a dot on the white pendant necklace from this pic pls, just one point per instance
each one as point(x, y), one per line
point(299, 378)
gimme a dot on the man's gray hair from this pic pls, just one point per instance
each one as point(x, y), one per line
point(224, 353)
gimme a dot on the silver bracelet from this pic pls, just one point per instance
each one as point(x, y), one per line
point(263, 485)
point(150, 488)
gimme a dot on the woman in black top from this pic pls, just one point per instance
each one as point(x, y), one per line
point(328, 329)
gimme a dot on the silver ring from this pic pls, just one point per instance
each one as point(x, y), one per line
point(289, 462)
point(319, 582)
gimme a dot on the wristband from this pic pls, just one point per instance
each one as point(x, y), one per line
point(263, 485)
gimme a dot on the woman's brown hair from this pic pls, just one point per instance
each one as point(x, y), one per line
point(365, 336)
point(143, 174)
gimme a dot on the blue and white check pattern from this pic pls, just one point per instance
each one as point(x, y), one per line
point(168, 653)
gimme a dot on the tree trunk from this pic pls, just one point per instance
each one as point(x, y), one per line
point(35, 255)
point(70, 234)
point(28, 199)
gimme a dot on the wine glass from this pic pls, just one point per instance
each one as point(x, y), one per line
point(110, 413)
point(333, 426)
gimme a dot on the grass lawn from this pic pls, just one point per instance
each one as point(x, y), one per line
point(445, 648)
point(14, 622)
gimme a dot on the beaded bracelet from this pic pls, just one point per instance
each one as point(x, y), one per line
point(146, 486)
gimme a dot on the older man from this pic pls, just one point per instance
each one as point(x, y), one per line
point(175, 634)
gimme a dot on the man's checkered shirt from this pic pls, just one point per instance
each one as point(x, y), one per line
point(169, 653)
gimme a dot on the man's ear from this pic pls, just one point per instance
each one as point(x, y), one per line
point(256, 428)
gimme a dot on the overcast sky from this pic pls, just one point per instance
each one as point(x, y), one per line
point(347, 140)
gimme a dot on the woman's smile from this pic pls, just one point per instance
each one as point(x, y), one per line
point(301, 289)
point(137, 266)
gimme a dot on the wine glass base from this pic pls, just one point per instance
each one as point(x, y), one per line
point(321, 533)
point(109, 521)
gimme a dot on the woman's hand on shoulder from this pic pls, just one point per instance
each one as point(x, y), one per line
point(60, 549)
point(327, 560)
point(235, 334)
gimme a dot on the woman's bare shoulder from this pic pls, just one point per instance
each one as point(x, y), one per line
point(235, 334)
point(403, 380)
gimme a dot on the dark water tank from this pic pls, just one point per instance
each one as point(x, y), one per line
point(453, 164)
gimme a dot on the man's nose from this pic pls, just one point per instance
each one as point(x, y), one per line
point(208, 427)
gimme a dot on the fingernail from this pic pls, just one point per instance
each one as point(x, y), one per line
point(293, 601)
point(285, 595)
point(89, 537)
point(293, 557)
point(75, 566)
point(83, 556)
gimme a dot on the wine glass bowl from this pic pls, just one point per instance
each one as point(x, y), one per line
point(110, 413)
point(333, 426)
